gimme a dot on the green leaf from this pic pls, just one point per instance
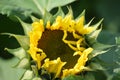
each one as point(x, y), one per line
point(23, 57)
point(116, 75)
point(117, 70)
point(96, 75)
point(22, 8)
point(117, 40)
point(73, 77)
point(89, 76)
point(97, 52)
point(112, 57)
point(28, 75)
point(96, 66)
point(18, 52)
point(23, 40)
point(50, 4)
point(100, 46)
point(23, 63)
point(26, 27)
point(7, 72)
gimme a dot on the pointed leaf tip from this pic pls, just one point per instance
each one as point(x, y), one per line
point(34, 18)
point(59, 13)
point(98, 24)
point(26, 27)
point(88, 24)
point(19, 52)
point(70, 11)
point(82, 14)
point(23, 40)
point(95, 34)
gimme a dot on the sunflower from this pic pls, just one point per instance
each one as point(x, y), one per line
point(60, 47)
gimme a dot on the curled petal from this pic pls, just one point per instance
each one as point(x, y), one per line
point(54, 66)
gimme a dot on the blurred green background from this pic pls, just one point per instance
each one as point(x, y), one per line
point(107, 9)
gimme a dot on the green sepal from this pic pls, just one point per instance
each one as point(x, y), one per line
point(23, 40)
point(91, 41)
point(34, 69)
point(18, 52)
point(70, 11)
point(93, 36)
point(28, 75)
point(82, 14)
point(34, 18)
point(73, 77)
point(59, 13)
point(47, 17)
point(26, 27)
point(88, 24)
point(23, 63)
point(96, 26)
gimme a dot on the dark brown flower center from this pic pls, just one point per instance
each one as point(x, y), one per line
point(51, 43)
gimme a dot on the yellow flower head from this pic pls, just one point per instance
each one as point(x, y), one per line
point(60, 47)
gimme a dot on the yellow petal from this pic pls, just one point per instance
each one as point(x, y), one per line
point(40, 57)
point(79, 25)
point(54, 66)
point(83, 58)
point(38, 26)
